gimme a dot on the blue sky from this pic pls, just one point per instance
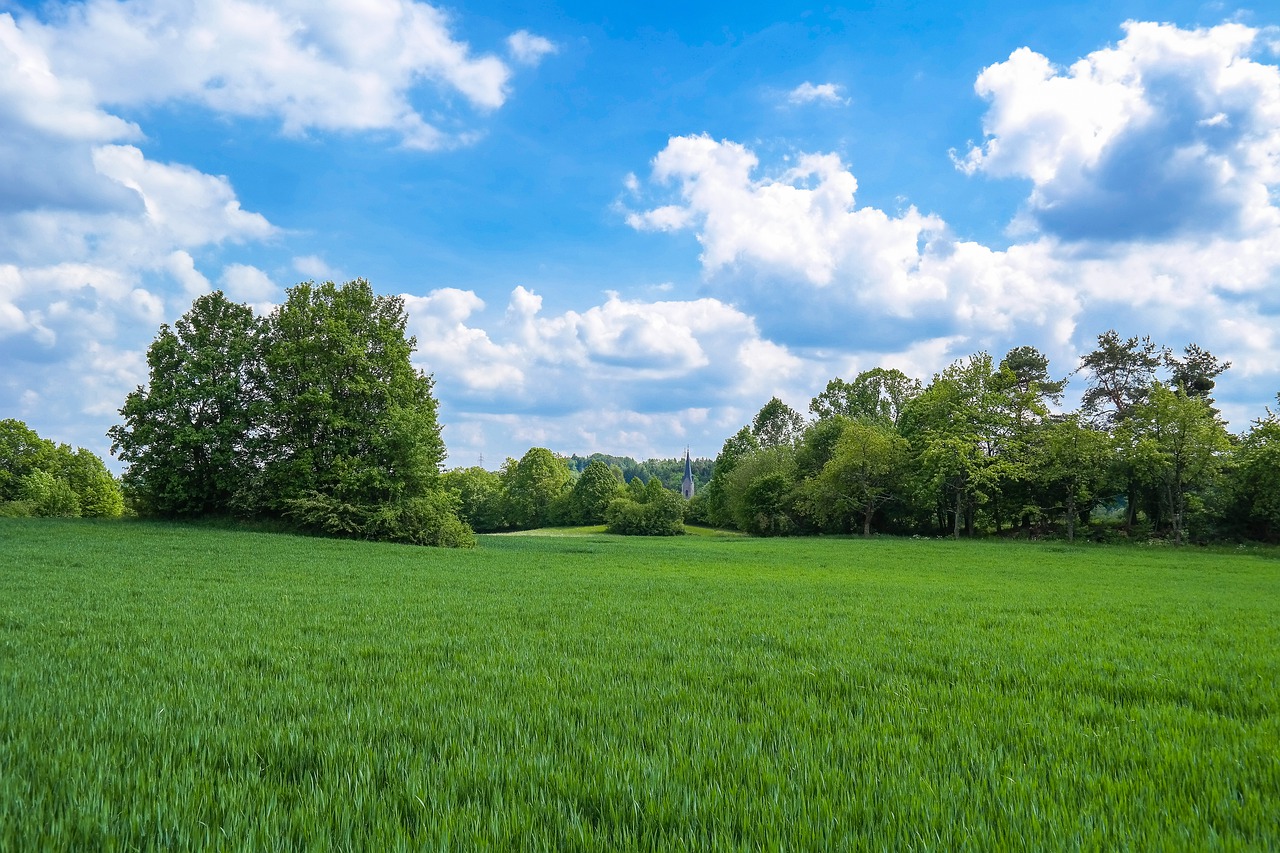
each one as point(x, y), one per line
point(624, 227)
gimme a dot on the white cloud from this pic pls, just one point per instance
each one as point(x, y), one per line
point(803, 222)
point(826, 277)
point(316, 268)
point(1170, 132)
point(328, 65)
point(527, 48)
point(243, 283)
point(183, 206)
point(821, 93)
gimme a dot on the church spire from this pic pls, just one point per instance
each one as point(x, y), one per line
point(686, 485)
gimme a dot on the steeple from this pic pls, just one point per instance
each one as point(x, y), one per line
point(686, 485)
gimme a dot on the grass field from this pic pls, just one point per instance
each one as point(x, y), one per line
point(177, 687)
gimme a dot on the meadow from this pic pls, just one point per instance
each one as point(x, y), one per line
point(167, 686)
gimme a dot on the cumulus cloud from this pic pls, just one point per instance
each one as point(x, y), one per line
point(99, 242)
point(1170, 132)
point(329, 65)
point(830, 94)
point(662, 354)
point(626, 376)
point(826, 277)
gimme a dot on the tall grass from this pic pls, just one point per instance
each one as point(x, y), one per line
point(164, 686)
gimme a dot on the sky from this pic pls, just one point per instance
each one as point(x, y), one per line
point(623, 227)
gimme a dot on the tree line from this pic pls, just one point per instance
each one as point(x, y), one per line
point(542, 489)
point(980, 450)
point(41, 478)
point(313, 417)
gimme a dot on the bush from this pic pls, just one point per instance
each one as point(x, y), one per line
point(428, 520)
point(17, 509)
point(660, 515)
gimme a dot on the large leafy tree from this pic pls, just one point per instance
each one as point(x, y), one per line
point(777, 424)
point(593, 490)
point(879, 394)
point(958, 429)
point(187, 435)
point(537, 488)
point(315, 414)
point(348, 417)
point(1176, 445)
point(1074, 463)
point(22, 451)
point(866, 470)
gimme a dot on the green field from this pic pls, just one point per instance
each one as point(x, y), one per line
point(177, 687)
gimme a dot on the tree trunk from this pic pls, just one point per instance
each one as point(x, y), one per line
point(956, 531)
point(1071, 517)
point(866, 520)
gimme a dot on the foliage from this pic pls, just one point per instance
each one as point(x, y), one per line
point(536, 489)
point(1256, 477)
point(762, 498)
point(480, 497)
point(654, 511)
point(867, 469)
point(878, 395)
point(184, 685)
point(41, 478)
point(1175, 444)
point(777, 424)
point(1120, 375)
point(1074, 461)
point(987, 455)
point(186, 435)
point(313, 414)
point(592, 492)
point(347, 414)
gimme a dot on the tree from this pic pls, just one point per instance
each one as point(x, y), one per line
point(349, 421)
point(593, 491)
point(480, 497)
point(186, 436)
point(1176, 444)
point(777, 424)
point(877, 395)
point(1073, 463)
point(648, 509)
point(1197, 372)
point(761, 492)
point(22, 452)
point(736, 447)
point(958, 428)
point(1256, 476)
point(1120, 376)
point(96, 491)
point(39, 477)
point(866, 471)
point(535, 487)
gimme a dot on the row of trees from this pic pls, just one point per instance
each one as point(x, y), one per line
point(41, 478)
point(541, 490)
point(312, 415)
point(980, 449)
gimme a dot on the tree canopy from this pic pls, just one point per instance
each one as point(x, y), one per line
point(313, 414)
